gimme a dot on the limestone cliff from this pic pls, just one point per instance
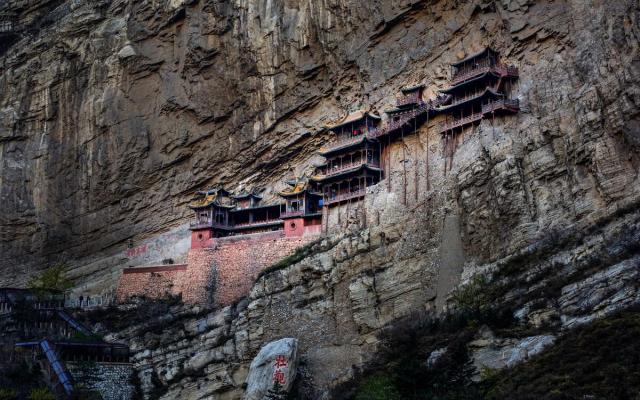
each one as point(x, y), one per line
point(114, 112)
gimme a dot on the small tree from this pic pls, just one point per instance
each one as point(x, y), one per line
point(52, 278)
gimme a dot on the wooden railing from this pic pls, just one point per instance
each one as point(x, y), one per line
point(257, 223)
point(208, 223)
point(460, 100)
point(348, 166)
point(501, 104)
point(342, 143)
point(393, 125)
point(290, 214)
point(513, 104)
point(404, 100)
point(503, 70)
point(407, 117)
point(445, 126)
point(347, 196)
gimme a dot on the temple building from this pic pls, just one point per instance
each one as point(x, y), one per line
point(218, 213)
point(410, 111)
point(8, 23)
point(480, 87)
point(252, 216)
point(352, 161)
point(303, 208)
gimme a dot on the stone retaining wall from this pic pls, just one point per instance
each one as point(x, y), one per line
point(238, 264)
point(111, 380)
point(219, 273)
point(152, 282)
point(225, 272)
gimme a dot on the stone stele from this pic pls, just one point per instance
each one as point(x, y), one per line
point(276, 360)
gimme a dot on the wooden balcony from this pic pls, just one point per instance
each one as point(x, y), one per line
point(500, 69)
point(404, 100)
point(257, 224)
point(511, 105)
point(346, 196)
point(292, 214)
point(446, 126)
point(346, 167)
point(207, 223)
point(403, 120)
point(342, 143)
point(407, 117)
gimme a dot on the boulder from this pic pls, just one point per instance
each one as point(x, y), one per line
point(277, 361)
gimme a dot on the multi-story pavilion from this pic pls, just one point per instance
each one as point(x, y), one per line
point(481, 86)
point(302, 213)
point(352, 160)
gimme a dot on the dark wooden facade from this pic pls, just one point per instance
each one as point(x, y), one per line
point(352, 160)
point(218, 214)
point(481, 87)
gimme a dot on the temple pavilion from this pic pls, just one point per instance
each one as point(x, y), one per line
point(480, 87)
point(218, 213)
point(303, 207)
point(352, 160)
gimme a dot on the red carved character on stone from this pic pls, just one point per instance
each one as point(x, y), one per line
point(281, 361)
point(278, 376)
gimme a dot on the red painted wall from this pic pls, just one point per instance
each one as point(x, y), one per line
point(201, 238)
point(294, 227)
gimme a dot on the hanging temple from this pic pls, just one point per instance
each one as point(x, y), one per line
point(234, 236)
point(480, 88)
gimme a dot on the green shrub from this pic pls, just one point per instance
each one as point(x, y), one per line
point(598, 361)
point(474, 296)
point(52, 278)
point(8, 394)
point(378, 387)
point(41, 393)
point(302, 252)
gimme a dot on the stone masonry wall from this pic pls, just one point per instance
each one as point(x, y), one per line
point(238, 263)
point(152, 282)
point(221, 273)
point(230, 267)
point(111, 380)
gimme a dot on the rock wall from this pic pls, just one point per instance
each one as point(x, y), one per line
point(107, 142)
point(111, 380)
point(338, 300)
point(105, 145)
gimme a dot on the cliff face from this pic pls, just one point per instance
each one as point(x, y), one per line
point(113, 113)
